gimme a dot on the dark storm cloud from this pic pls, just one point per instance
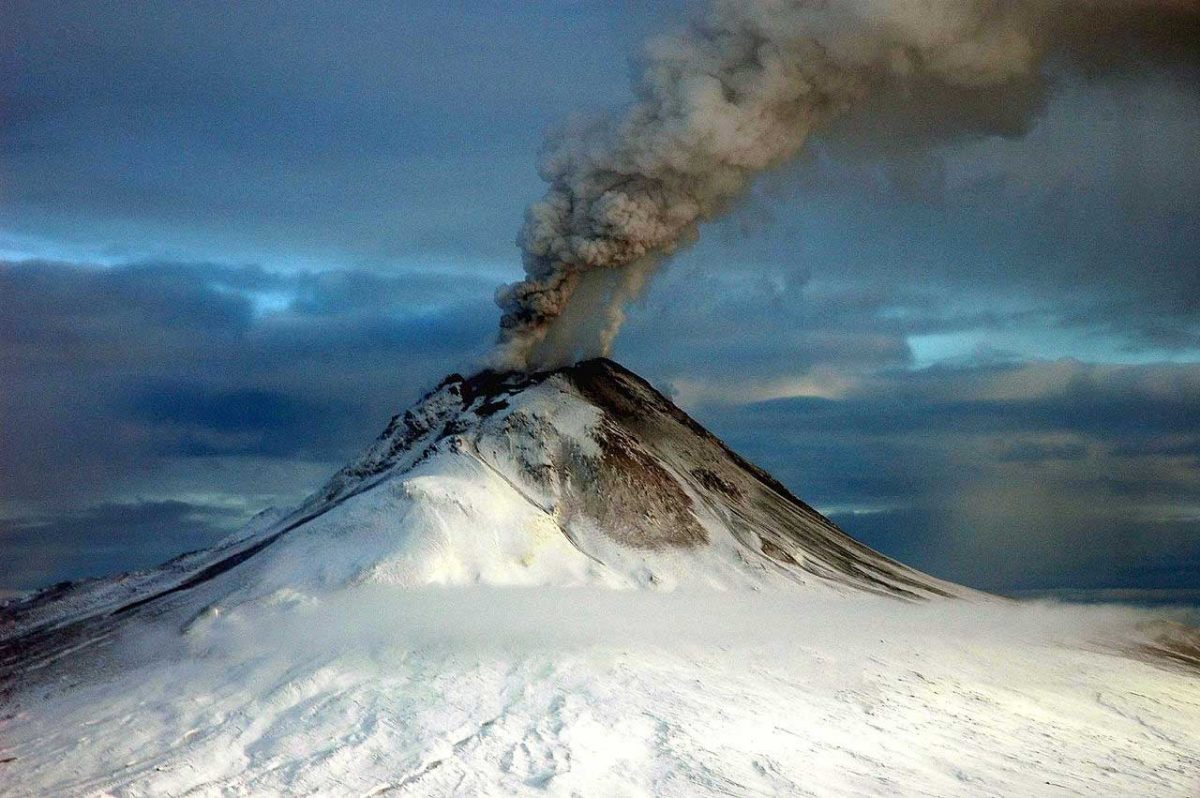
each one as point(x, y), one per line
point(1104, 553)
point(1029, 475)
point(109, 368)
point(194, 419)
point(1074, 412)
point(1183, 445)
point(379, 131)
point(1027, 412)
point(1030, 452)
point(37, 551)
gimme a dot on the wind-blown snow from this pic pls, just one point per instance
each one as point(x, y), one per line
point(487, 691)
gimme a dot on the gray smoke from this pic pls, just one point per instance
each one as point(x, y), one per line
point(741, 90)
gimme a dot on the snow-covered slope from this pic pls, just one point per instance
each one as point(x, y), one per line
point(381, 690)
point(376, 639)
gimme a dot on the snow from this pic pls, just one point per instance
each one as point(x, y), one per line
point(504, 691)
point(449, 521)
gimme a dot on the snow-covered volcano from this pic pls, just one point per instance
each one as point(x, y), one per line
point(371, 639)
point(583, 475)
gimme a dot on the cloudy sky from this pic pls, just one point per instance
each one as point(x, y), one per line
point(235, 238)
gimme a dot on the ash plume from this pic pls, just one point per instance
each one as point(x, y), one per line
point(741, 90)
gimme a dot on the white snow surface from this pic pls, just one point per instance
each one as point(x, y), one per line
point(560, 587)
point(382, 690)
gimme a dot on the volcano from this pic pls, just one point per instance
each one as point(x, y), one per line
point(582, 475)
point(689, 627)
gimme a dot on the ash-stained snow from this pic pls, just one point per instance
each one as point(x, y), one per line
point(560, 584)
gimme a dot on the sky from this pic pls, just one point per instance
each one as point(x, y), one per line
point(235, 238)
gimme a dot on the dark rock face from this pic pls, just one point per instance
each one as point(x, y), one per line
point(635, 499)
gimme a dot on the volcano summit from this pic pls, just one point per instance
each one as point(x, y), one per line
point(695, 630)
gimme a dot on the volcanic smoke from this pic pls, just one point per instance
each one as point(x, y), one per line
point(741, 90)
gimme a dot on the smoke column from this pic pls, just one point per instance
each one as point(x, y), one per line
point(741, 90)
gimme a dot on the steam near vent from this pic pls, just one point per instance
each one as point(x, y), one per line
point(739, 92)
